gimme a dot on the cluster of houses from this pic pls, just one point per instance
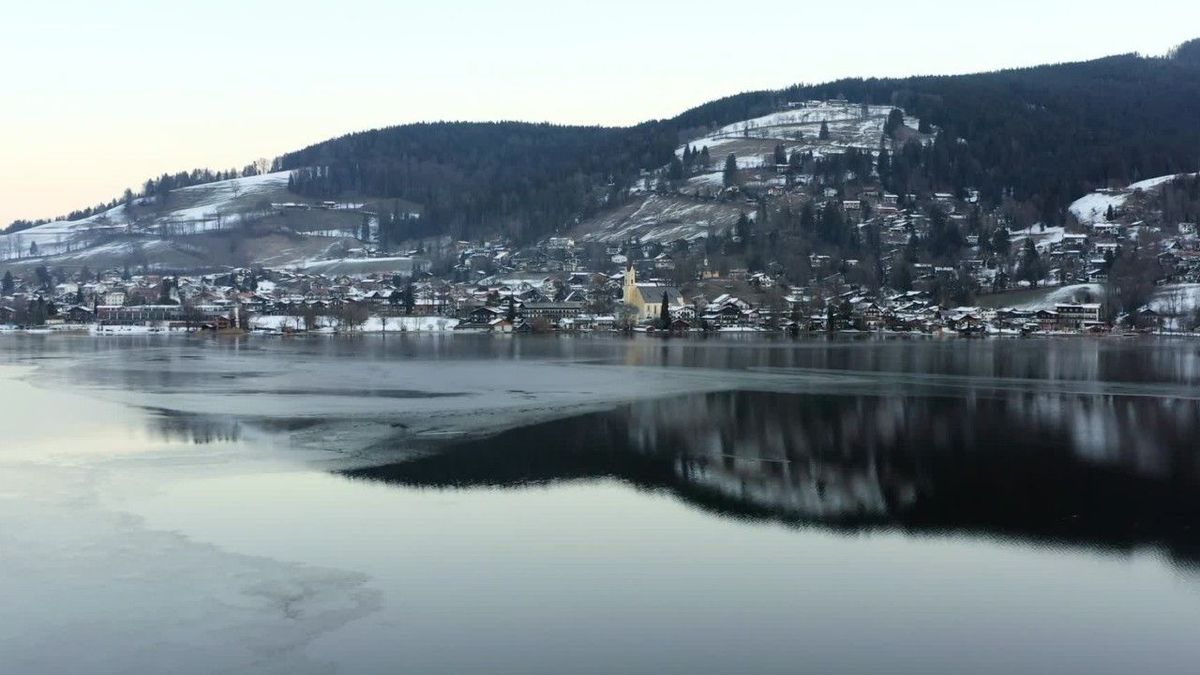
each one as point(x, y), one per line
point(514, 302)
point(561, 284)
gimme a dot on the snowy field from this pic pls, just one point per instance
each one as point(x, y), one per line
point(664, 219)
point(401, 264)
point(1093, 208)
point(797, 129)
point(198, 208)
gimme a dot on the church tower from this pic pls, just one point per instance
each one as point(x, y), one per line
point(631, 292)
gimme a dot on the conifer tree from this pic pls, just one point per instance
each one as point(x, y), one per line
point(729, 176)
point(895, 120)
point(1031, 264)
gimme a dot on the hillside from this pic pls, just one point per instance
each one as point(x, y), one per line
point(1037, 139)
point(1095, 207)
point(226, 223)
point(1043, 135)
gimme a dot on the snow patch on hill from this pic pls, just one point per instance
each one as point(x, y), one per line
point(200, 207)
point(799, 128)
point(1152, 183)
point(664, 219)
point(1177, 300)
point(1093, 208)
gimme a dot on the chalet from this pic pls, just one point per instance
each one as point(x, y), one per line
point(1046, 320)
point(78, 315)
point(724, 316)
point(503, 325)
point(484, 316)
point(1147, 318)
point(1074, 242)
point(679, 325)
point(869, 314)
point(217, 323)
point(966, 324)
point(687, 313)
point(727, 311)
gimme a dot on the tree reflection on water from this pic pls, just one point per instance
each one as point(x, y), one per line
point(1110, 472)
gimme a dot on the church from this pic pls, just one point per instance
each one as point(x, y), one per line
point(647, 298)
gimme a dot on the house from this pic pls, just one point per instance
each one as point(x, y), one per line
point(483, 316)
point(503, 325)
point(1148, 318)
point(1076, 316)
point(78, 315)
point(868, 313)
point(1047, 320)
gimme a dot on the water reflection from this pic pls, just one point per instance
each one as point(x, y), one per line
point(1105, 471)
point(166, 362)
point(177, 427)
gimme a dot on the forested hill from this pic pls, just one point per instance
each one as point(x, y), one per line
point(1048, 133)
point(1044, 135)
point(472, 178)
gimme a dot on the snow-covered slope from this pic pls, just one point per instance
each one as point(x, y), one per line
point(664, 219)
point(192, 209)
point(798, 129)
point(1093, 208)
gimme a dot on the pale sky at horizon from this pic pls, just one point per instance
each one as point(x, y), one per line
point(100, 96)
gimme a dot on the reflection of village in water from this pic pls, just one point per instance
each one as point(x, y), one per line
point(1104, 471)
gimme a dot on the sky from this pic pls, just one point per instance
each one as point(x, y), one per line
point(98, 97)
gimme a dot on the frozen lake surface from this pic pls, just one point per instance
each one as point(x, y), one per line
point(468, 504)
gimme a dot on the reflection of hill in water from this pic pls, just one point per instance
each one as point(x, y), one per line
point(1101, 470)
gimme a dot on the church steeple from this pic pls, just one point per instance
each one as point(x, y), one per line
point(630, 285)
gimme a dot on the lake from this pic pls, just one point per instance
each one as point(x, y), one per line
point(474, 504)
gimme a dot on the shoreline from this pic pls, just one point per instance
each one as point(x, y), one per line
point(98, 331)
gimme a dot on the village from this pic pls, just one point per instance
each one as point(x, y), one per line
point(562, 285)
point(800, 232)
